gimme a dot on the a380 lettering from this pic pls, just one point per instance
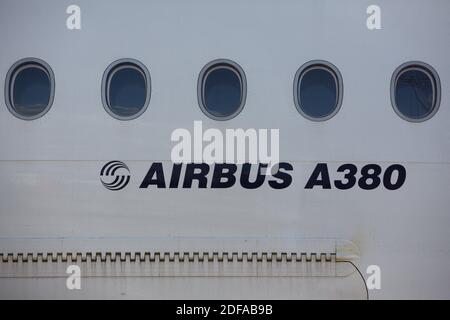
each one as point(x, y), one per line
point(371, 177)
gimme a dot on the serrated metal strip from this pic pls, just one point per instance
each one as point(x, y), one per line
point(173, 264)
point(165, 256)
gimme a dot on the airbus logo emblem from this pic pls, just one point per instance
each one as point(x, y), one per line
point(115, 175)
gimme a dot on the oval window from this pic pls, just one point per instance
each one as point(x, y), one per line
point(318, 90)
point(126, 91)
point(415, 91)
point(222, 89)
point(29, 88)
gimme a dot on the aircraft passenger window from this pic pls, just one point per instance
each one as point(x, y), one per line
point(415, 91)
point(29, 88)
point(222, 89)
point(126, 89)
point(318, 90)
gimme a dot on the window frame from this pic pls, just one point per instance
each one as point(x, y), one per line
point(108, 74)
point(201, 83)
point(11, 76)
point(435, 82)
point(334, 71)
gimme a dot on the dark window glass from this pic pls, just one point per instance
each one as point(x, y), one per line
point(318, 92)
point(414, 94)
point(127, 91)
point(222, 92)
point(30, 91)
